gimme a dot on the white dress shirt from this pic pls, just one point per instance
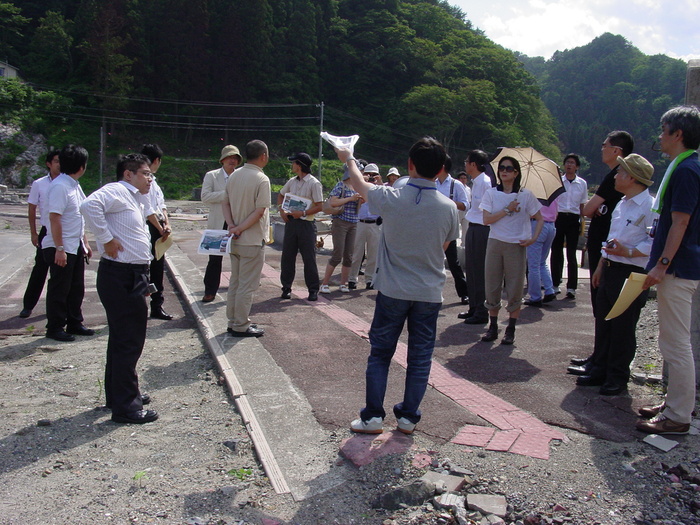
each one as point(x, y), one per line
point(39, 197)
point(115, 212)
point(576, 194)
point(480, 186)
point(631, 220)
point(65, 197)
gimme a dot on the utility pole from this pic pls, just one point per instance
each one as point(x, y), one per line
point(320, 143)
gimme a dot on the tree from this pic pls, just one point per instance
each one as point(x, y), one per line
point(50, 57)
point(11, 24)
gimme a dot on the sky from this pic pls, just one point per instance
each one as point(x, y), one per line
point(541, 27)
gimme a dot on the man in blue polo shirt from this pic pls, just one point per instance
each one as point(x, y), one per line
point(418, 225)
point(674, 267)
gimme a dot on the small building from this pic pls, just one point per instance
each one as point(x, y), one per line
point(7, 71)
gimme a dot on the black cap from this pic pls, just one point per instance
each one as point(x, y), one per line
point(302, 158)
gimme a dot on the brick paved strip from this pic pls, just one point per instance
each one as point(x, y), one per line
point(528, 433)
point(502, 441)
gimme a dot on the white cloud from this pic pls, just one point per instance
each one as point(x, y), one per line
point(540, 27)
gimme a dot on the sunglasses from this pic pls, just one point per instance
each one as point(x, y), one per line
point(509, 169)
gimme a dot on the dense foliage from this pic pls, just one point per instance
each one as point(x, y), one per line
point(204, 71)
point(605, 85)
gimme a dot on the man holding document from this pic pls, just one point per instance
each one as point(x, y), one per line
point(626, 250)
point(300, 226)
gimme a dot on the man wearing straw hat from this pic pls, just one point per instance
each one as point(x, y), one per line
point(213, 193)
point(626, 251)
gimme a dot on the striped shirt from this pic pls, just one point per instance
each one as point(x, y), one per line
point(114, 212)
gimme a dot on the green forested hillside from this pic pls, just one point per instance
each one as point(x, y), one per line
point(605, 85)
point(202, 72)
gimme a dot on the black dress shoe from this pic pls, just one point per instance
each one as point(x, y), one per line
point(250, 332)
point(136, 418)
point(548, 298)
point(464, 315)
point(589, 381)
point(464, 300)
point(80, 330)
point(208, 298)
point(369, 286)
point(159, 313)
point(352, 285)
point(579, 370)
point(611, 389)
point(530, 302)
point(580, 361)
point(476, 320)
point(25, 313)
point(60, 336)
point(286, 293)
point(313, 296)
point(508, 338)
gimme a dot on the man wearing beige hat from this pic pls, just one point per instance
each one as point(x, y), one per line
point(626, 250)
point(214, 194)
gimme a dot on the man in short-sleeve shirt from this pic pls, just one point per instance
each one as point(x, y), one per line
point(674, 267)
point(246, 211)
point(300, 227)
point(418, 224)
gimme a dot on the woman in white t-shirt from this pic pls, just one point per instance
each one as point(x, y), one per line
point(508, 209)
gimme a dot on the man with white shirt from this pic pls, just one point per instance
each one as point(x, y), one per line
point(213, 194)
point(158, 227)
point(38, 198)
point(568, 225)
point(66, 249)
point(477, 238)
point(627, 251)
point(456, 192)
point(116, 216)
point(367, 235)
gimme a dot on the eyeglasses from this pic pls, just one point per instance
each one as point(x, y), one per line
point(509, 169)
point(148, 174)
point(606, 145)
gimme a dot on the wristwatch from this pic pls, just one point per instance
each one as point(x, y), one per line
point(60, 249)
point(665, 261)
point(303, 214)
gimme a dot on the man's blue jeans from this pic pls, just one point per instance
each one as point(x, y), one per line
point(389, 317)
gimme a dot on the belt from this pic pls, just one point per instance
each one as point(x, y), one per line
point(368, 221)
point(615, 264)
point(569, 213)
point(535, 220)
point(477, 224)
point(126, 266)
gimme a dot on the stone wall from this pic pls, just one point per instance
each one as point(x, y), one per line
point(26, 166)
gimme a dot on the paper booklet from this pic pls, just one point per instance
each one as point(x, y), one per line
point(214, 242)
point(341, 142)
point(295, 203)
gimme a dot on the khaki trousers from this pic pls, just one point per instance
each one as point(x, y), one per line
point(246, 266)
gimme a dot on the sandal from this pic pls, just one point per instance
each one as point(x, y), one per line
point(324, 289)
point(344, 288)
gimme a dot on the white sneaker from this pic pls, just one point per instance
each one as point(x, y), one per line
point(373, 426)
point(324, 289)
point(404, 425)
point(344, 288)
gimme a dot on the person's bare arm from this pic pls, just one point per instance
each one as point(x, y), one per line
point(251, 219)
point(356, 181)
point(679, 223)
point(57, 235)
point(31, 215)
point(591, 207)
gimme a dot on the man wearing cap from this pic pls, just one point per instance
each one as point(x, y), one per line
point(455, 191)
point(300, 227)
point(626, 251)
point(392, 176)
point(213, 193)
point(674, 267)
point(246, 211)
point(366, 235)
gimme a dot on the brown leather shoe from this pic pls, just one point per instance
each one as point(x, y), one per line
point(661, 425)
point(208, 298)
point(650, 411)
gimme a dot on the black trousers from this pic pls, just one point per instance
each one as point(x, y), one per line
point(568, 226)
point(615, 340)
point(65, 291)
point(456, 269)
point(212, 274)
point(299, 237)
point(157, 269)
point(37, 278)
point(122, 288)
point(475, 249)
